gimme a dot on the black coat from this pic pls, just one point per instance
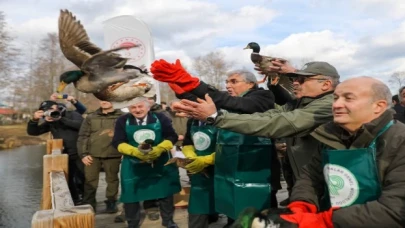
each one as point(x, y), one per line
point(67, 128)
point(400, 113)
point(281, 95)
point(255, 100)
point(120, 135)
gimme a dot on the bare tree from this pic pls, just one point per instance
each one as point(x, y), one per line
point(8, 54)
point(212, 68)
point(397, 79)
point(166, 93)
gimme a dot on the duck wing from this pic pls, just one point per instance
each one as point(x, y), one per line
point(285, 82)
point(256, 58)
point(105, 63)
point(265, 63)
point(73, 39)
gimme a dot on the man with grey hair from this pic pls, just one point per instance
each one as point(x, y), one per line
point(293, 121)
point(145, 139)
point(242, 162)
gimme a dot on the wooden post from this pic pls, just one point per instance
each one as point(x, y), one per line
point(57, 207)
point(49, 146)
point(57, 144)
point(75, 217)
point(52, 163)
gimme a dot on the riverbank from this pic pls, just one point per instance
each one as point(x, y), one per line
point(12, 136)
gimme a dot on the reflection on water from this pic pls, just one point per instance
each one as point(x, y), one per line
point(20, 185)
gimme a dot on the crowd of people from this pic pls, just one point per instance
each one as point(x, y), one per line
point(339, 145)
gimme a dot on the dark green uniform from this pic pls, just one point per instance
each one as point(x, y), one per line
point(95, 138)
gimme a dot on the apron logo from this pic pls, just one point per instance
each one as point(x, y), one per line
point(141, 135)
point(201, 141)
point(342, 185)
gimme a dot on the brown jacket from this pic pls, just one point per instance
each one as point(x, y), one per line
point(389, 209)
point(96, 134)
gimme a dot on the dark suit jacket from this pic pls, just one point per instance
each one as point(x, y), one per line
point(120, 135)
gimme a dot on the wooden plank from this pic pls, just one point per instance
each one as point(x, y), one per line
point(52, 163)
point(57, 146)
point(61, 197)
point(75, 217)
point(49, 146)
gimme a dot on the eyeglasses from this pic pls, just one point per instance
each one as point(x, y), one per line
point(233, 81)
point(301, 79)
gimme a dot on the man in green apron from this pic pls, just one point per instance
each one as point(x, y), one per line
point(293, 121)
point(360, 163)
point(199, 144)
point(242, 163)
point(144, 176)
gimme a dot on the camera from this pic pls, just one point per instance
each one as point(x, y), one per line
point(53, 114)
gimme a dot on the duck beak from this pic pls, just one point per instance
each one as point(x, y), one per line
point(61, 87)
point(247, 47)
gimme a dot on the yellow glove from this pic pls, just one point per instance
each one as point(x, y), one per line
point(164, 146)
point(127, 149)
point(189, 151)
point(200, 163)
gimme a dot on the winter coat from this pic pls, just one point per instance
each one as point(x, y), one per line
point(96, 134)
point(389, 209)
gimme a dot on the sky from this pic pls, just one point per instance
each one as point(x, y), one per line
point(358, 37)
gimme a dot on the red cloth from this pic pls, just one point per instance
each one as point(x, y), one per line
point(311, 220)
point(177, 89)
point(301, 206)
point(174, 73)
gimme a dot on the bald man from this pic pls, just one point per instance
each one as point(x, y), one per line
point(360, 165)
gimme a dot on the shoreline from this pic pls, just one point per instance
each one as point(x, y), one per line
point(13, 136)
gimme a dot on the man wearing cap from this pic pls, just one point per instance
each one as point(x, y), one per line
point(146, 138)
point(293, 121)
point(235, 175)
point(64, 125)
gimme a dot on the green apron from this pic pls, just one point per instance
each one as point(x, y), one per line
point(202, 188)
point(352, 175)
point(242, 173)
point(140, 181)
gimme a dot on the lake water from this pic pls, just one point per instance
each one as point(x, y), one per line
point(21, 185)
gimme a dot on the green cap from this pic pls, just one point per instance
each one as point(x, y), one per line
point(316, 68)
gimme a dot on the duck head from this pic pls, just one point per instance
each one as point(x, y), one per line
point(67, 78)
point(254, 46)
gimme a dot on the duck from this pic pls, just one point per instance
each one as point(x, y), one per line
point(97, 69)
point(124, 92)
point(270, 218)
point(263, 63)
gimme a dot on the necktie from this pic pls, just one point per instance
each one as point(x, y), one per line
point(140, 121)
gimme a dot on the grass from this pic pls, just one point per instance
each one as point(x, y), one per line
point(16, 135)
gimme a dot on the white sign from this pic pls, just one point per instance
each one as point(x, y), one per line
point(127, 30)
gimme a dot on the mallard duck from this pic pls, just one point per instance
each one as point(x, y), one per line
point(146, 146)
point(269, 218)
point(123, 92)
point(263, 63)
point(97, 68)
